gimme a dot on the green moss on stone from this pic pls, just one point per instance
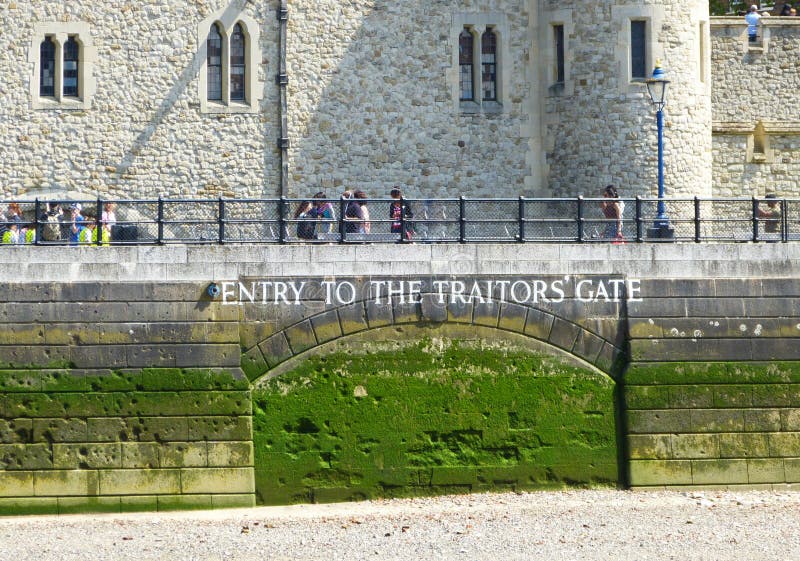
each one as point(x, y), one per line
point(713, 373)
point(431, 417)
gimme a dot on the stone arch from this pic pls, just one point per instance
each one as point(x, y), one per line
point(544, 329)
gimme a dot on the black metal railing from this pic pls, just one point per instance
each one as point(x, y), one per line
point(461, 220)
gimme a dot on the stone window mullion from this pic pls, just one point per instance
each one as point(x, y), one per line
point(477, 66)
point(60, 39)
point(226, 67)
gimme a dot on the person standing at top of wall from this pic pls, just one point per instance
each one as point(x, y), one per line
point(752, 18)
point(612, 209)
point(76, 224)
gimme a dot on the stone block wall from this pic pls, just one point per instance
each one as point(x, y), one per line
point(712, 394)
point(102, 410)
point(752, 85)
point(143, 134)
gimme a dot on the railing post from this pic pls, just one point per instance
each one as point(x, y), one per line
point(697, 223)
point(160, 221)
point(342, 224)
point(639, 229)
point(755, 219)
point(221, 220)
point(37, 227)
point(462, 221)
point(521, 213)
point(98, 223)
point(580, 218)
point(784, 221)
point(282, 206)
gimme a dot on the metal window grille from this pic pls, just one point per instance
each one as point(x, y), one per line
point(489, 65)
point(214, 63)
point(47, 68)
point(238, 68)
point(465, 65)
point(72, 52)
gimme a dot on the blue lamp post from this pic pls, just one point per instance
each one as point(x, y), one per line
point(657, 89)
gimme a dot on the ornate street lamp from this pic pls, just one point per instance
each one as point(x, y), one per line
point(657, 88)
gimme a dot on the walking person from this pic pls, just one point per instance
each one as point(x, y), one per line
point(361, 199)
point(400, 214)
point(612, 209)
point(305, 218)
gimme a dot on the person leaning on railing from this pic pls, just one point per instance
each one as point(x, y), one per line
point(323, 210)
point(771, 216)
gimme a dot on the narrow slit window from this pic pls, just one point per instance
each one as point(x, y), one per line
point(214, 63)
point(72, 53)
point(638, 50)
point(47, 68)
point(558, 38)
point(489, 65)
point(238, 69)
point(466, 43)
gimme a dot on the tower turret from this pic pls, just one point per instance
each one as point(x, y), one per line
point(596, 119)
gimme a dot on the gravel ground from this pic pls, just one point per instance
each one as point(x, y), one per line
point(596, 525)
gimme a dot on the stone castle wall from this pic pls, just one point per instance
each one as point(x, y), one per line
point(373, 102)
point(143, 135)
point(601, 126)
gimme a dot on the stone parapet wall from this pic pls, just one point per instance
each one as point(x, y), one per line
point(125, 385)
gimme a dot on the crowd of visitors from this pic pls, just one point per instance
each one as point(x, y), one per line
point(317, 217)
point(57, 223)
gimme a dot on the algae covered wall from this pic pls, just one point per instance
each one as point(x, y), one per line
point(101, 406)
point(712, 393)
point(124, 440)
point(431, 417)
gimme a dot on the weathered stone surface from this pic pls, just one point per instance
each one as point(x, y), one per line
point(300, 337)
point(140, 482)
point(65, 482)
point(660, 472)
point(217, 480)
point(87, 456)
point(276, 349)
point(326, 326)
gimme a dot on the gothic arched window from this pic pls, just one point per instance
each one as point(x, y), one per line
point(47, 68)
point(489, 65)
point(72, 57)
point(214, 63)
point(466, 44)
point(238, 64)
